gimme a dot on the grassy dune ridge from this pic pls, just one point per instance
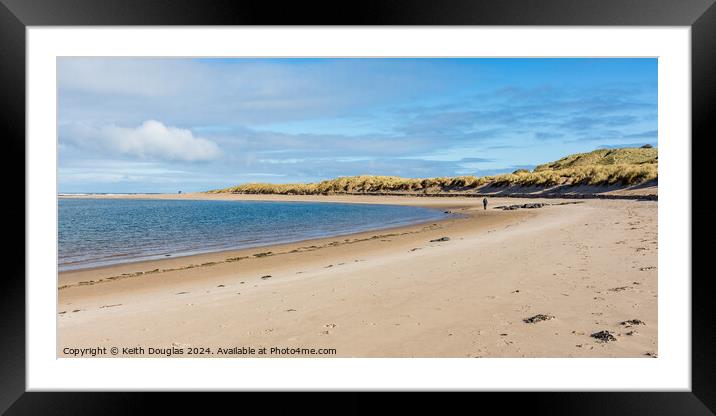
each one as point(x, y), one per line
point(626, 166)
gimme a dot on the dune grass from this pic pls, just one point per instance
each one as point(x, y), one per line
point(627, 166)
point(602, 157)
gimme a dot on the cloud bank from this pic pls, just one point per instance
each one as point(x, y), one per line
point(151, 140)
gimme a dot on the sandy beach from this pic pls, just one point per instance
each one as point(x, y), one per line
point(578, 266)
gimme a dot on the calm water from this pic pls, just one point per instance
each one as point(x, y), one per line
point(95, 232)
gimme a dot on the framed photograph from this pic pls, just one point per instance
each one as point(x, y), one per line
point(492, 197)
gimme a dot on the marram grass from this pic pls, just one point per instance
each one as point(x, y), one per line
point(628, 166)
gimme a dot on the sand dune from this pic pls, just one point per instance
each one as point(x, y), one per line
point(518, 283)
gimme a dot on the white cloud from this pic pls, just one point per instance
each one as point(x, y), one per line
point(151, 140)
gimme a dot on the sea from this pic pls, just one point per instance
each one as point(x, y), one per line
point(98, 232)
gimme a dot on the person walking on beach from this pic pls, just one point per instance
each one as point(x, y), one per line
point(484, 203)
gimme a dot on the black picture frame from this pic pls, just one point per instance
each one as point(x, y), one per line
point(699, 15)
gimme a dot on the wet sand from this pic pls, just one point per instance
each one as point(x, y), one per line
point(575, 268)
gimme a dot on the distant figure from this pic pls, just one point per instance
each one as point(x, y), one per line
point(484, 203)
point(179, 191)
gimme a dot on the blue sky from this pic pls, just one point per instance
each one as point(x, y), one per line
point(163, 125)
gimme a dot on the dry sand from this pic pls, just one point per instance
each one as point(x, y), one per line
point(393, 293)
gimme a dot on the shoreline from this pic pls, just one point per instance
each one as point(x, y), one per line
point(67, 278)
point(388, 293)
point(199, 253)
point(280, 247)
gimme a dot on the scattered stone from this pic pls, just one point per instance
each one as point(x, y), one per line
point(523, 206)
point(233, 259)
point(515, 291)
point(537, 318)
point(290, 310)
point(632, 322)
point(437, 240)
point(266, 276)
point(76, 310)
point(619, 289)
point(651, 354)
point(603, 336)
